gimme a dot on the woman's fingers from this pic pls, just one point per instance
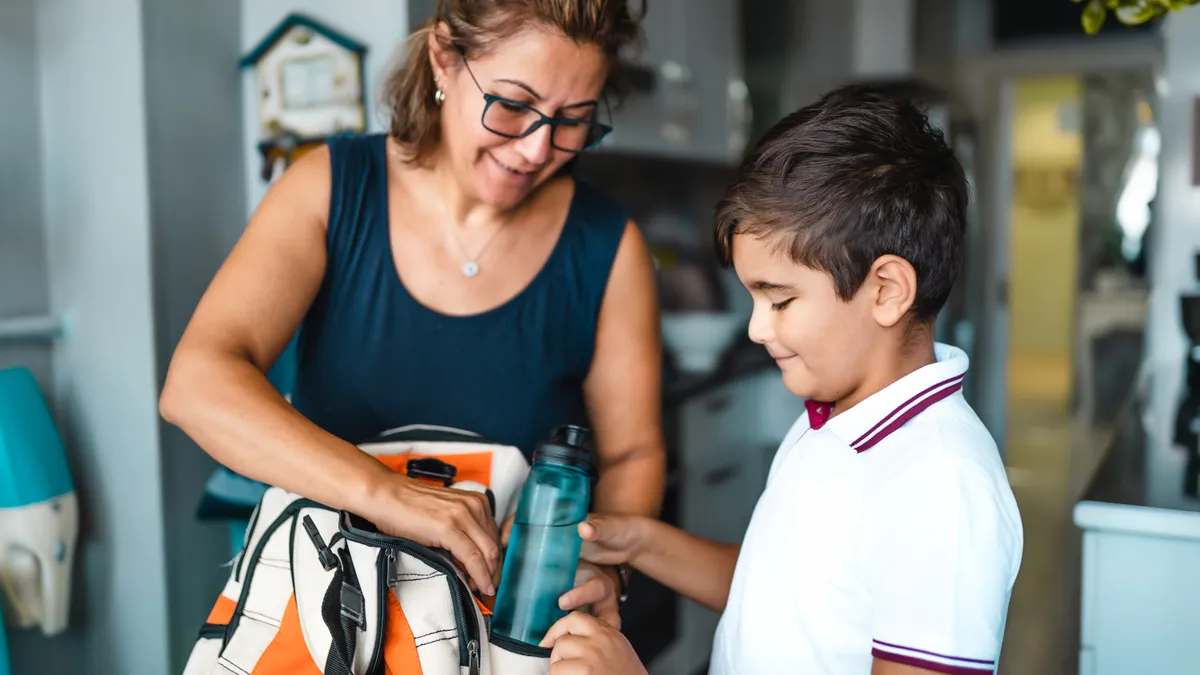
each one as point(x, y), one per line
point(589, 592)
point(469, 556)
point(459, 521)
point(506, 531)
point(597, 590)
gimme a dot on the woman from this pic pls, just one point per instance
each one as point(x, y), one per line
point(448, 273)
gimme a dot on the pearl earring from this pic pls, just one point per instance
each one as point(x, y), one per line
point(438, 95)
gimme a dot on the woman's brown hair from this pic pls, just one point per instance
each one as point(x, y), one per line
point(475, 25)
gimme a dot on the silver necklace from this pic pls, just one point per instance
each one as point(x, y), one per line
point(470, 268)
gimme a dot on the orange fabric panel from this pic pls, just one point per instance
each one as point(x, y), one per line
point(485, 604)
point(475, 466)
point(222, 611)
point(287, 654)
point(399, 645)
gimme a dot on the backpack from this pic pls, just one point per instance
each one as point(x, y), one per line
point(316, 591)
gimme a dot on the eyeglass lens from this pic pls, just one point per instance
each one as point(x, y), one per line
point(512, 119)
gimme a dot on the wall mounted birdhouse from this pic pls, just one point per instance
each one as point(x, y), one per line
point(309, 87)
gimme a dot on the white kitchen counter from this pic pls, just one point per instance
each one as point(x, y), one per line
point(1143, 521)
point(1141, 566)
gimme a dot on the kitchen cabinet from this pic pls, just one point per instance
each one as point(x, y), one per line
point(689, 100)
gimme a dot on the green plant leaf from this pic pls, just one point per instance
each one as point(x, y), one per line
point(1093, 16)
point(1132, 15)
point(1129, 12)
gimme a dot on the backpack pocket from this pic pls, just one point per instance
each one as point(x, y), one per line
point(511, 657)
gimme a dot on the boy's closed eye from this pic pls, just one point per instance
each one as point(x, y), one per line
point(780, 295)
point(782, 305)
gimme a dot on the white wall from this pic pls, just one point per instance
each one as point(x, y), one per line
point(24, 290)
point(1174, 240)
point(95, 191)
point(382, 25)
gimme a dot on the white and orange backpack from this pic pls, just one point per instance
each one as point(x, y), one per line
point(316, 591)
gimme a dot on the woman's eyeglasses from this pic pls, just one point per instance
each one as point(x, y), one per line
point(513, 119)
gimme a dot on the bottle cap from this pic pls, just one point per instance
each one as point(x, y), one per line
point(567, 445)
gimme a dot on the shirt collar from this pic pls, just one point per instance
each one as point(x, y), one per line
point(885, 411)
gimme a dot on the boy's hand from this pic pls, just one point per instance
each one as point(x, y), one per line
point(584, 645)
point(611, 539)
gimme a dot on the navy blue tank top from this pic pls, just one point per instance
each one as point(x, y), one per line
point(370, 357)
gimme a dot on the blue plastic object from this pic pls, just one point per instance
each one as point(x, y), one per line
point(33, 465)
point(543, 548)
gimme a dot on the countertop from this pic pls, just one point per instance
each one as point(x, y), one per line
point(1117, 499)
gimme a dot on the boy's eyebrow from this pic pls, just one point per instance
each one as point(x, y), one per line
point(759, 285)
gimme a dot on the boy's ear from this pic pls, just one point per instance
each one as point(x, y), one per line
point(893, 281)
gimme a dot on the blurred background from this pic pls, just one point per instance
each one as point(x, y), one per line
point(132, 153)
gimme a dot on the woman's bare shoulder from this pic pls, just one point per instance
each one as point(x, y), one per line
point(303, 190)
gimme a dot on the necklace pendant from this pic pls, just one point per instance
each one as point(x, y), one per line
point(470, 268)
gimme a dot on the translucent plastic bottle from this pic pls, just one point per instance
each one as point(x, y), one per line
point(543, 547)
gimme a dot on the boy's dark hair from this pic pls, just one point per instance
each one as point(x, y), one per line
point(839, 183)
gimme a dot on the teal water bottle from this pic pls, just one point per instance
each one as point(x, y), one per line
point(543, 547)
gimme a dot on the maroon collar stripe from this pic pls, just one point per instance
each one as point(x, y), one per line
point(906, 411)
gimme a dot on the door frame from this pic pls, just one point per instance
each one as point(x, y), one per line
point(986, 83)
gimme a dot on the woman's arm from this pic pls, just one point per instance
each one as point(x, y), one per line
point(624, 387)
point(624, 400)
point(217, 391)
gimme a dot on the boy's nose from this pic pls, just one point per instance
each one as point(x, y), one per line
point(760, 330)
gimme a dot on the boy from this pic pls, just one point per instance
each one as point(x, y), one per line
point(887, 539)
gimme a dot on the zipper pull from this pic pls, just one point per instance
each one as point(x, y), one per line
point(473, 657)
point(392, 570)
point(328, 559)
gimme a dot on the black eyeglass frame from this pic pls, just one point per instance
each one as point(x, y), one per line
point(601, 130)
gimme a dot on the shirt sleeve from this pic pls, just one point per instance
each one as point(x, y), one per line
point(945, 550)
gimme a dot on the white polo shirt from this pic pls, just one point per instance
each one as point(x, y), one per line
point(888, 531)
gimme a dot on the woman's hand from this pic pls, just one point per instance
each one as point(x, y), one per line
point(584, 645)
point(459, 521)
point(597, 589)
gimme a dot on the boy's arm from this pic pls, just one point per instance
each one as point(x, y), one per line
point(881, 667)
point(696, 568)
point(699, 569)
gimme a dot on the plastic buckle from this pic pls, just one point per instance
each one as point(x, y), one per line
point(353, 606)
point(432, 468)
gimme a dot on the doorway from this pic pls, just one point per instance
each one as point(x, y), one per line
point(1072, 207)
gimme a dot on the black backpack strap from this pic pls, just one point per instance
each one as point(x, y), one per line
point(345, 614)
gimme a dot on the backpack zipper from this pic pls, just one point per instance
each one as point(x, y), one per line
point(517, 647)
point(385, 570)
point(464, 614)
